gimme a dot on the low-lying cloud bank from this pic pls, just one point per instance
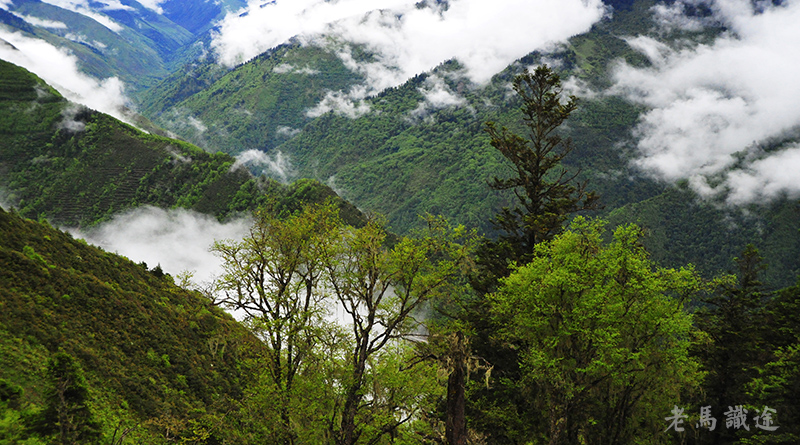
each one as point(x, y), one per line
point(407, 37)
point(5, 202)
point(178, 239)
point(60, 69)
point(93, 10)
point(718, 111)
point(275, 165)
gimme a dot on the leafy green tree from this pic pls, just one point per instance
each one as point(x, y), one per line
point(602, 335)
point(273, 276)
point(66, 417)
point(381, 290)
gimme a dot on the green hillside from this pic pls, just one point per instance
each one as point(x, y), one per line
point(157, 359)
point(407, 156)
point(258, 105)
point(75, 166)
point(145, 49)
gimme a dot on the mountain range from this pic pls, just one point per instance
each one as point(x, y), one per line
point(326, 102)
point(154, 129)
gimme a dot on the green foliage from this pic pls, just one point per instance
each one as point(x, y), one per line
point(78, 167)
point(143, 366)
point(274, 277)
point(602, 334)
point(292, 270)
point(66, 415)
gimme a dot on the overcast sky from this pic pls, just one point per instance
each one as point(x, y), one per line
point(718, 103)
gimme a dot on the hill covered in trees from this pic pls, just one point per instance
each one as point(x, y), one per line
point(592, 295)
point(143, 360)
point(76, 166)
point(421, 146)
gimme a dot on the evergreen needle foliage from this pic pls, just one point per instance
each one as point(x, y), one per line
point(547, 194)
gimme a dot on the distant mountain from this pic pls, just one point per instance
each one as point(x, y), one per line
point(137, 44)
point(75, 166)
point(255, 106)
point(421, 147)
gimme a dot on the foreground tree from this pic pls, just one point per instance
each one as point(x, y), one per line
point(602, 334)
point(273, 276)
point(381, 290)
point(547, 194)
point(344, 383)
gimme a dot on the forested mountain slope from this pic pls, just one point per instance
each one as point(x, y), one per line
point(258, 105)
point(160, 363)
point(138, 44)
point(75, 166)
point(421, 146)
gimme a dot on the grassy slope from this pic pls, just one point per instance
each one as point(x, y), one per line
point(79, 177)
point(154, 354)
point(245, 108)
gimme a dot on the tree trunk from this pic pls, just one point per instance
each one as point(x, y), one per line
point(456, 422)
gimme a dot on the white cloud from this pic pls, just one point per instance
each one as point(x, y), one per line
point(60, 69)
point(673, 16)
point(177, 239)
point(276, 165)
point(287, 68)
point(712, 103)
point(68, 121)
point(80, 38)
point(767, 178)
point(436, 95)
point(197, 124)
point(83, 7)
point(44, 23)
point(485, 36)
point(283, 68)
point(5, 4)
point(287, 131)
point(154, 5)
point(349, 104)
point(5, 200)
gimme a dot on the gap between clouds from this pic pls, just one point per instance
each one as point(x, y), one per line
point(714, 108)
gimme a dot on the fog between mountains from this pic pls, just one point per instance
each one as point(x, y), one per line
point(714, 107)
